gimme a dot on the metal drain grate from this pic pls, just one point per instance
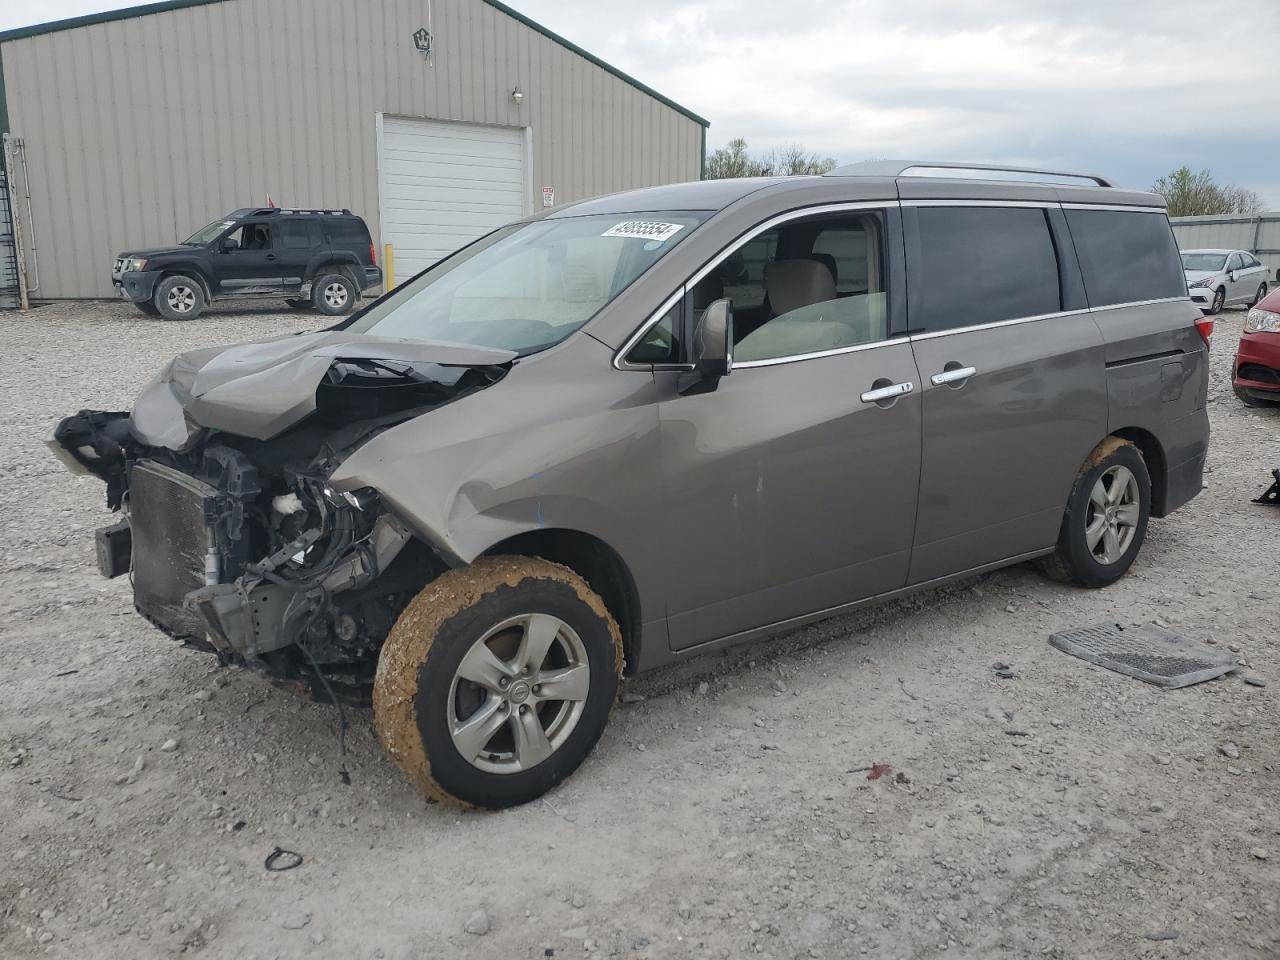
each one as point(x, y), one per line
point(1145, 651)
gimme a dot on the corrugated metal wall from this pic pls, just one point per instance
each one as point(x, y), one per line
point(139, 131)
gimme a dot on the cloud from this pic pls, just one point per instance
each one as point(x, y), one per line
point(1132, 88)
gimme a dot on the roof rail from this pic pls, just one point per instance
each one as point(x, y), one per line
point(897, 168)
point(278, 211)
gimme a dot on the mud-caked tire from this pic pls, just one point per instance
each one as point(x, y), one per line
point(1105, 522)
point(497, 681)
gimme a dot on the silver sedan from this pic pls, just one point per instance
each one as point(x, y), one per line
point(1220, 278)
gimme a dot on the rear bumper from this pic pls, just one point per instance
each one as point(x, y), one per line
point(372, 277)
point(137, 287)
point(1186, 444)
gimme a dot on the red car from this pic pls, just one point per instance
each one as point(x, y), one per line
point(1256, 372)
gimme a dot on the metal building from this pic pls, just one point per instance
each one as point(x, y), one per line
point(436, 120)
point(1258, 234)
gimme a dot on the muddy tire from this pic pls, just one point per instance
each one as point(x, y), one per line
point(1105, 522)
point(497, 681)
point(179, 298)
point(334, 294)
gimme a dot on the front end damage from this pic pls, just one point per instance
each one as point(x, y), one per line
point(233, 537)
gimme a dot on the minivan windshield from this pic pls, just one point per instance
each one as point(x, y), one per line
point(207, 234)
point(1204, 261)
point(527, 286)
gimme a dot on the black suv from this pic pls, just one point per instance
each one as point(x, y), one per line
point(322, 259)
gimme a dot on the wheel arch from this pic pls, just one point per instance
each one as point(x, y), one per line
point(1153, 454)
point(599, 564)
point(190, 271)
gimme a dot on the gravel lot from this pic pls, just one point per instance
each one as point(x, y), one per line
point(1067, 812)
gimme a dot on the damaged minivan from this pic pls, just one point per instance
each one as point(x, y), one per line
point(644, 426)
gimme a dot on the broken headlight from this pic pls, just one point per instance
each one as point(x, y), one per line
point(362, 499)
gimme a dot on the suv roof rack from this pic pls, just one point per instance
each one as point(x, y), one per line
point(892, 168)
point(277, 211)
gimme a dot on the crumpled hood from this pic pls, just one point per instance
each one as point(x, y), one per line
point(261, 388)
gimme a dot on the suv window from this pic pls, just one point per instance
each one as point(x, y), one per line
point(299, 234)
point(1126, 257)
point(253, 236)
point(984, 265)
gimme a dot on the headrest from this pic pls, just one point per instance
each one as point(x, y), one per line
point(792, 284)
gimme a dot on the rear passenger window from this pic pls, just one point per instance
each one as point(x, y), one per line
point(983, 265)
point(1126, 257)
point(299, 234)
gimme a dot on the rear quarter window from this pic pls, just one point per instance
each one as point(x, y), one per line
point(1126, 256)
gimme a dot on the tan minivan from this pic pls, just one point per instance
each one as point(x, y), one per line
point(647, 425)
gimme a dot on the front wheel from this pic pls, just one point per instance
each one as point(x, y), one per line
point(179, 298)
point(1262, 292)
point(497, 681)
point(1219, 298)
point(1106, 518)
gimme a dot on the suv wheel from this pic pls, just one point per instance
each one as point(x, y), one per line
point(179, 298)
point(334, 294)
point(497, 681)
point(1106, 519)
point(1219, 298)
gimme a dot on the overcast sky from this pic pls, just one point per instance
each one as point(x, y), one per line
point(1129, 88)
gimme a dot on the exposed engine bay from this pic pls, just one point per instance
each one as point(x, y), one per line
point(233, 538)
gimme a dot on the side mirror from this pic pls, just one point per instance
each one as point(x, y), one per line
point(713, 341)
point(229, 244)
point(1231, 275)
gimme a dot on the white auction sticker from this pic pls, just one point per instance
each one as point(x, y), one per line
point(644, 230)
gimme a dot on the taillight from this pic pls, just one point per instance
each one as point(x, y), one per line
point(1204, 327)
point(373, 259)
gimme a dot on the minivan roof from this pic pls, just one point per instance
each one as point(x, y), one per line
point(875, 180)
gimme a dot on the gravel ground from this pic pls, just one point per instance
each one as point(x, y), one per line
point(1066, 812)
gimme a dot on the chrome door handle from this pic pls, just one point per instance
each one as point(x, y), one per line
point(952, 376)
point(888, 393)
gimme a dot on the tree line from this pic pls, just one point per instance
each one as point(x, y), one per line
point(1186, 193)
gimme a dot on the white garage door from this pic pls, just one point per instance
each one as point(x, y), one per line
point(444, 184)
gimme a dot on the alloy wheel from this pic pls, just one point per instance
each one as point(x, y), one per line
point(335, 295)
point(181, 299)
point(518, 693)
point(1219, 299)
point(1111, 520)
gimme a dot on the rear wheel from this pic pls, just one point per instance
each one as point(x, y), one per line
point(1262, 292)
point(1105, 522)
point(497, 681)
point(179, 298)
point(1219, 298)
point(334, 294)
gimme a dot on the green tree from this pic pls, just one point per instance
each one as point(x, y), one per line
point(1190, 194)
point(792, 160)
